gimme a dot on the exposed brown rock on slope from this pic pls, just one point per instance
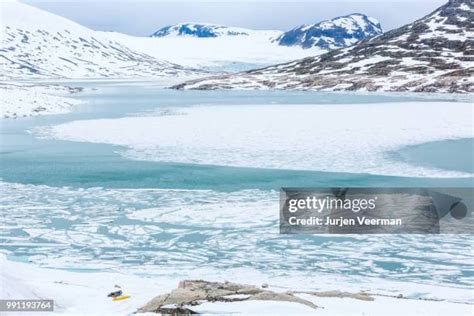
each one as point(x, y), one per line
point(432, 54)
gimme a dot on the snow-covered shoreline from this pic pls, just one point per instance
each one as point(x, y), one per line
point(28, 99)
point(78, 293)
point(38, 97)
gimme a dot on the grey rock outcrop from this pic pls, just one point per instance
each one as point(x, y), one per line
point(195, 292)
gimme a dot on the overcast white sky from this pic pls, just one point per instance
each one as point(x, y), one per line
point(143, 17)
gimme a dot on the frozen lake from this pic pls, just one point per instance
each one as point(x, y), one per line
point(29, 159)
point(152, 181)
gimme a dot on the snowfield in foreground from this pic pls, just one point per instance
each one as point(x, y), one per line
point(337, 138)
point(77, 293)
point(23, 100)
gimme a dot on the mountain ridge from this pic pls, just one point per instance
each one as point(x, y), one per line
point(335, 33)
point(327, 34)
point(433, 54)
point(200, 30)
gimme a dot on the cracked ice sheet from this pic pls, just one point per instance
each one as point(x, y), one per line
point(201, 233)
point(333, 138)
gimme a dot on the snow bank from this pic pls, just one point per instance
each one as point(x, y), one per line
point(77, 293)
point(74, 293)
point(23, 100)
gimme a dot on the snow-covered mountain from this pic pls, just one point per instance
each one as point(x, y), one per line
point(331, 34)
point(202, 30)
point(214, 46)
point(432, 54)
point(38, 44)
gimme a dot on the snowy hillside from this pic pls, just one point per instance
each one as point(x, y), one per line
point(38, 44)
point(432, 54)
point(202, 30)
point(336, 33)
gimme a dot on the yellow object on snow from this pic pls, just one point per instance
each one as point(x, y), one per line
point(121, 297)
